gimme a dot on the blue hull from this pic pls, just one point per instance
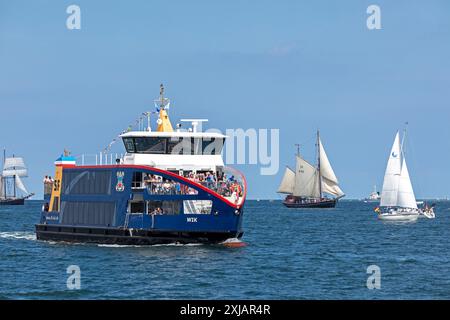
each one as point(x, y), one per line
point(95, 207)
point(128, 236)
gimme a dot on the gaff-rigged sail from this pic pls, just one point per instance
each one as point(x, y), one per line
point(306, 180)
point(288, 182)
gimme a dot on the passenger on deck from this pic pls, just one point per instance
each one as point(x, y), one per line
point(48, 183)
point(147, 180)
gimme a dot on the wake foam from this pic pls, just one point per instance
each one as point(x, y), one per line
point(18, 235)
point(150, 245)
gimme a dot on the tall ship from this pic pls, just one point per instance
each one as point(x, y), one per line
point(311, 186)
point(170, 186)
point(12, 188)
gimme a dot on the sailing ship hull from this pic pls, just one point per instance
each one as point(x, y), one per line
point(12, 202)
point(294, 202)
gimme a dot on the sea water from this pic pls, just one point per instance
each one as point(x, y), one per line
point(290, 254)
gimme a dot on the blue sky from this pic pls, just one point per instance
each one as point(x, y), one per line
point(292, 65)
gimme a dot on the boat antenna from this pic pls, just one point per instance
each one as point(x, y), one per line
point(161, 97)
point(404, 137)
point(318, 163)
point(4, 161)
point(298, 149)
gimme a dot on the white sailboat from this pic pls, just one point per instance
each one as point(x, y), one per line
point(307, 185)
point(398, 202)
point(12, 189)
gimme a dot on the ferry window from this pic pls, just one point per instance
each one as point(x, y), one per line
point(88, 213)
point(156, 184)
point(197, 206)
point(150, 145)
point(178, 146)
point(137, 180)
point(163, 207)
point(206, 146)
point(86, 182)
point(137, 207)
point(129, 145)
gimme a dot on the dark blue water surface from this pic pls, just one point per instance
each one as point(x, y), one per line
point(291, 254)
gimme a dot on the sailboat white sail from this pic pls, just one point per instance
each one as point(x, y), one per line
point(20, 185)
point(389, 193)
point(406, 197)
point(14, 167)
point(397, 196)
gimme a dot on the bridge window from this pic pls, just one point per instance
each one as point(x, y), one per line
point(174, 145)
point(150, 145)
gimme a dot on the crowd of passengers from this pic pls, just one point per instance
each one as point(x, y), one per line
point(223, 184)
point(48, 184)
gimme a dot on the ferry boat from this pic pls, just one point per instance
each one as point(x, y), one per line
point(374, 196)
point(171, 186)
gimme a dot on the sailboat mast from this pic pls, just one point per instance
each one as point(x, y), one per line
point(4, 160)
point(14, 180)
point(318, 164)
point(403, 141)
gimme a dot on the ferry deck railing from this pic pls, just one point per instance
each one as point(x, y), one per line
point(99, 158)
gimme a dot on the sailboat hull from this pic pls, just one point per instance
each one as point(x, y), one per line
point(399, 216)
point(296, 202)
point(12, 202)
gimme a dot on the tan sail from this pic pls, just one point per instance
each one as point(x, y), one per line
point(330, 183)
point(288, 182)
point(306, 180)
point(331, 188)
